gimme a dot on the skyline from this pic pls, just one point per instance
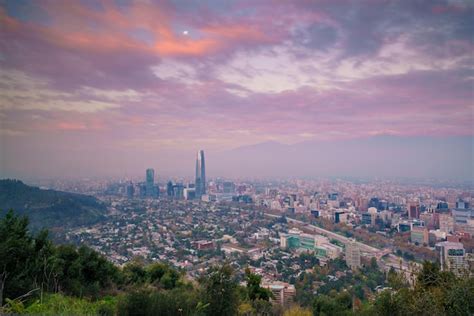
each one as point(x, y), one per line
point(93, 88)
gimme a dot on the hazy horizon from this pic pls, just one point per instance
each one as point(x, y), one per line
point(267, 90)
point(381, 156)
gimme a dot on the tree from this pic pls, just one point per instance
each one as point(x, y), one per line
point(254, 290)
point(83, 271)
point(297, 311)
point(245, 309)
point(169, 279)
point(134, 272)
point(429, 275)
point(396, 280)
point(389, 303)
point(262, 307)
point(18, 253)
point(460, 298)
point(324, 305)
point(220, 291)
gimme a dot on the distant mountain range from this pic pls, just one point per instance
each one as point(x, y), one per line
point(378, 156)
point(49, 208)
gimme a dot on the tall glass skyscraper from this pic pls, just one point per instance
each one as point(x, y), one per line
point(150, 182)
point(200, 174)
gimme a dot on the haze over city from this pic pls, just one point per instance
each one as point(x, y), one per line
point(268, 89)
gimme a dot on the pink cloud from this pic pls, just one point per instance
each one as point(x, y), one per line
point(71, 126)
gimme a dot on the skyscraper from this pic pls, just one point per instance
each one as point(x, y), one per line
point(130, 190)
point(169, 189)
point(200, 174)
point(150, 182)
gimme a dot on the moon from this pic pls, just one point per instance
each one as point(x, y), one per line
point(185, 32)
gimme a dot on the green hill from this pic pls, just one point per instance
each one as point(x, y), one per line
point(49, 208)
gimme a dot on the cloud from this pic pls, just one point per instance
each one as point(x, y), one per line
point(125, 76)
point(22, 92)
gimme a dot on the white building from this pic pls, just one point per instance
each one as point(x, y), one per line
point(452, 257)
point(352, 255)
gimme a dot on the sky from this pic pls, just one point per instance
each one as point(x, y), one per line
point(113, 87)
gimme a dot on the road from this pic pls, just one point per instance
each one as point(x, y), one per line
point(385, 258)
point(363, 247)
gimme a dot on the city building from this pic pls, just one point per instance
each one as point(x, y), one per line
point(461, 216)
point(209, 198)
point(228, 187)
point(317, 244)
point(352, 255)
point(151, 190)
point(169, 189)
point(366, 219)
point(404, 226)
point(200, 183)
point(446, 223)
point(283, 292)
point(413, 211)
point(189, 193)
point(178, 191)
point(452, 257)
point(130, 190)
point(203, 244)
point(419, 235)
point(142, 188)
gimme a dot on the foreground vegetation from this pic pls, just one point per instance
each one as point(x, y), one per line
point(40, 278)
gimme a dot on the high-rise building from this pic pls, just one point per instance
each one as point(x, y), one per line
point(200, 183)
point(151, 189)
point(189, 193)
point(178, 191)
point(413, 210)
point(169, 189)
point(142, 187)
point(283, 293)
point(452, 257)
point(130, 190)
point(352, 255)
point(419, 235)
point(462, 215)
point(446, 223)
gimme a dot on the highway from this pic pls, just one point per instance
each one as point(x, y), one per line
point(363, 247)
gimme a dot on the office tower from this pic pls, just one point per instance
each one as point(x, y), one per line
point(374, 202)
point(452, 257)
point(189, 193)
point(178, 191)
point(169, 189)
point(142, 188)
point(200, 174)
point(130, 190)
point(352, 255)
point(442, 207)
point(462, 205)
point(152, 190)
point(446, 223)
point(462, 214)
point(413, 210)
point(156, 191)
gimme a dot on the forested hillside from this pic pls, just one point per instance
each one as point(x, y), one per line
point(49, 208)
